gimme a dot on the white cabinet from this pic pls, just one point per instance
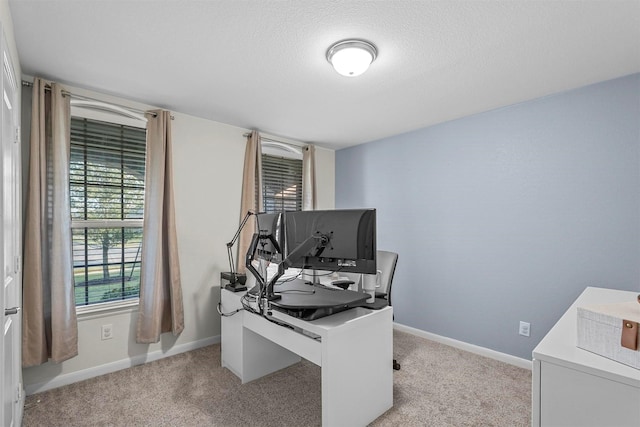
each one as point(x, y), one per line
point(573, 387)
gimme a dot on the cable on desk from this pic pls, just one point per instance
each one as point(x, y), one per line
point(289, 279)
point(277, 322)
point(329, 273)
point(246, 306)
point(219, 308)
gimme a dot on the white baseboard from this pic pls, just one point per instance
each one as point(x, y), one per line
point(471, 348)
point(118, 365)
point(85, 374)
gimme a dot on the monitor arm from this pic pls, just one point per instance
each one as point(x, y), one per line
point(266, 289)
point(318, 241)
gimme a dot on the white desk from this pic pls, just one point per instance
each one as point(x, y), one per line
point(574, 387)
point(353, 347)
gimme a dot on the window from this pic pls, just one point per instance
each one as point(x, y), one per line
point(107, 170)
point(281, 183)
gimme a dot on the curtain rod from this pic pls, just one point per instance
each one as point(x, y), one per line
point(298, 145)
point(47, 86)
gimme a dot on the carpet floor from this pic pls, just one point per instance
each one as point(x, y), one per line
point(438, 385)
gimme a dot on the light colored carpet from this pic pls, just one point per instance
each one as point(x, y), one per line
point(437, 386)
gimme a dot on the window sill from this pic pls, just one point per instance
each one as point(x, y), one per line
point(106, 309)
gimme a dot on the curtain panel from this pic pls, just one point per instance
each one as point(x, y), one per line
point(161, 307)
point(50, 328)
point(251, 194)
point(309, 178)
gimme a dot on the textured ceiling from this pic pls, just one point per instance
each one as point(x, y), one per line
point(260, 64)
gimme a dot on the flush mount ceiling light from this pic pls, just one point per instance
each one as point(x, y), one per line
point(351, 57)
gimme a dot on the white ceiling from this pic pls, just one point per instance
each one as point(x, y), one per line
point(260, 64)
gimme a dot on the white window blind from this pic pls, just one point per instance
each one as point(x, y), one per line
point(107, 170)
point(281, 183)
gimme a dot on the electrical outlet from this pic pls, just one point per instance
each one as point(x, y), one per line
point(525, 328)
point(107, 332)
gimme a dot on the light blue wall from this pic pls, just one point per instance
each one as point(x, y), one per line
point(506, 215)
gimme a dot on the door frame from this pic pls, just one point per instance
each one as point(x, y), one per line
point(11, 210)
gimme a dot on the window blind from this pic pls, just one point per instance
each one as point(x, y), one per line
point(281, 183)
point(107, 170)
point(106, 181)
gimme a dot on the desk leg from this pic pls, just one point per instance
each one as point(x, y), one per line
point(261, 356)
point(357, 371)
point(245, 353)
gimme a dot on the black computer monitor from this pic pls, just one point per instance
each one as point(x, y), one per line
point(332, 240)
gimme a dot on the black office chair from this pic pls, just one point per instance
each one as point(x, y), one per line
point(386, 262)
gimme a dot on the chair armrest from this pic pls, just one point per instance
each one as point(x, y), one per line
point(344, 284)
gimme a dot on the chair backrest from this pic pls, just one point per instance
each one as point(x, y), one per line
point(386, 262)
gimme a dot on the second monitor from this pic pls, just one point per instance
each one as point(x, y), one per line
point(345, 240)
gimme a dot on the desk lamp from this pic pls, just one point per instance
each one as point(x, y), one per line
point(236, 280)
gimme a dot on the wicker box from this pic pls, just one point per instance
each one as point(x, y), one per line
point(600, 329)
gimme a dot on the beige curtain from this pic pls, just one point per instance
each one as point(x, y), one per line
point(309, 178)
point(251, 194)
point(50, 328)
point(160, 309)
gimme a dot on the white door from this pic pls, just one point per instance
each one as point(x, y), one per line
point(10, 250)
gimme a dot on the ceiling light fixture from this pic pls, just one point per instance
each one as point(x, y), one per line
point(351, 57)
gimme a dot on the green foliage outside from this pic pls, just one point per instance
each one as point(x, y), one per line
point(101, 290)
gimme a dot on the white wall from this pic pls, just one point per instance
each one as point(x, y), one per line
point(208, 159)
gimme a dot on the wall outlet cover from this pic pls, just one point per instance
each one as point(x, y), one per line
point(525, 329)
point(107, 332)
